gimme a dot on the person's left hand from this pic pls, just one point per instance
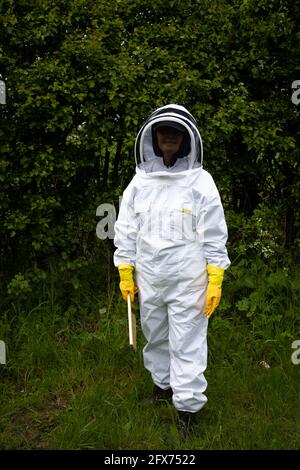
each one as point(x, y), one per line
point(213, 297)
point(214, 289)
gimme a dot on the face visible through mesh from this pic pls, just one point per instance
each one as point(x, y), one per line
point(170, 142)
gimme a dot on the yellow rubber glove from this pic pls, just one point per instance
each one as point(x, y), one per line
point(127, 285)
point(214, 288)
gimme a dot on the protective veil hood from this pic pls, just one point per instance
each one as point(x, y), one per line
point(147, 157)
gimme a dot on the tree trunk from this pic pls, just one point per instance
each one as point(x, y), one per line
point(105, 168)
point(115, 175)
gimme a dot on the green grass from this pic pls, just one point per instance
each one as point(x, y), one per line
point(71, 381)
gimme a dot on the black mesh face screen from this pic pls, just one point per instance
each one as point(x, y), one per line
point(184, 149)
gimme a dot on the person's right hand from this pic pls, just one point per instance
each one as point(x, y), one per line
point(127, 285)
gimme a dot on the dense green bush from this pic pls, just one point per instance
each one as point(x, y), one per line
point(81, 76)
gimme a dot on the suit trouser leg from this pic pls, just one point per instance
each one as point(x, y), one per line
point(188, 349)
point(154, 323)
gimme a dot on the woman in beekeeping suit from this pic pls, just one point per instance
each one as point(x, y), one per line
point(171, 230)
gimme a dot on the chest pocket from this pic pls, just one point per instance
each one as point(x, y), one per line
point(142, 205)
point(182, 221)
point(145, 198)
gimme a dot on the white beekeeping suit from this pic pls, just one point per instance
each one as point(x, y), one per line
point(170, 226)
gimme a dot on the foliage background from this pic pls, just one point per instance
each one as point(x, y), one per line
point(81, 77)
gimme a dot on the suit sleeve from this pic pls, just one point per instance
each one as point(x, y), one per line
point(213, 228)
point(126, 228)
